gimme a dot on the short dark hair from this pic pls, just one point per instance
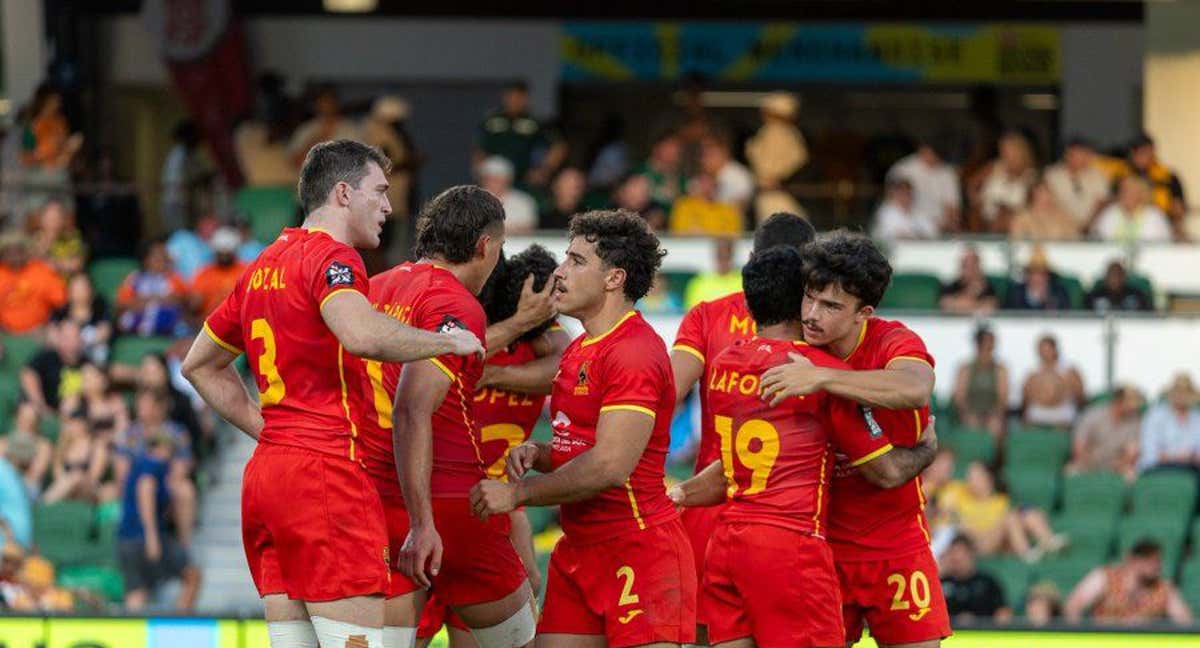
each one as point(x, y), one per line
point(964, 540)
point(450, 225)
point(158, 395)
point(852, 262)
point(518, 85)
point(1146, 547)
point(773, 281)
point(982, 331)
point(329, 163)
point(503, 289)
point(623, 240)
point(783, 228)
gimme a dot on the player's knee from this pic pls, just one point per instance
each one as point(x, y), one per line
point(339, 634)
point(514, 632)
point(399, 637)
point(291, 634)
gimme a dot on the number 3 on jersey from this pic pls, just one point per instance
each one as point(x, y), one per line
point(758, 458)
point(261, 330)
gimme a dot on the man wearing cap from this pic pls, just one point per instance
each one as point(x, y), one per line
point(30, 289)
point(1078, 185)
point(776, 152)
point(1171, 428)
point(520, 209)
point(511, 133)
point(217, 279)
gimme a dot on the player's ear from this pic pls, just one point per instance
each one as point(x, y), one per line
point(865, 313)
point(341, 194)
point(481, 245)
point(614, 279)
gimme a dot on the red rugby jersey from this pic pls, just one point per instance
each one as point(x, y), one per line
point(706, 330)
point(625, 368)
point(274, 315)
point(505, 418)
point(778, 461)
point(428, 297)
point(867, 522)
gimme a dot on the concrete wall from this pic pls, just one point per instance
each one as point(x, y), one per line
point(24, 49)
point(1101, 81)
point(1172, 71)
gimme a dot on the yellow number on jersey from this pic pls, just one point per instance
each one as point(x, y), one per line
point(260, 329)
point(917, 589)
point(759, 462)
point(513, 434)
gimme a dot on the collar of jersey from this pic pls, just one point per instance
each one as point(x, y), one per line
point(862, 333)
point(610, 330)
point(314, 230)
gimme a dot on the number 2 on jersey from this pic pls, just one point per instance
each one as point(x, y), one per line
point(758, 460)
point(511, 434)
point(260, 329)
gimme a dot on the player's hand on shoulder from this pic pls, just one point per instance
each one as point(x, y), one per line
point(799, 377)
point(491, 497)
point(420, 556)
point(464, 342)
point(520, 460)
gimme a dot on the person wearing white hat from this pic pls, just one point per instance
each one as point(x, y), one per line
point(216, 280)
point(520, 210)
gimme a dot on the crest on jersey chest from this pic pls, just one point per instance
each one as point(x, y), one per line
point(581, 383)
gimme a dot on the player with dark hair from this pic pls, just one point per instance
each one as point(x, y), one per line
point(316, 547)
point(508, 401)
point(769, 578)
point(877, 528)
point(622, 574)
point(705, 331)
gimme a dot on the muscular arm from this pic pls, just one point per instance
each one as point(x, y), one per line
point(898, 465)
point(421, 390)
point(209, 367)
point(535, 376)
point(705, 488)
point(1085, 595)
point(621, 437)
point(368, 333)
point(904, 384)
point(688, 370)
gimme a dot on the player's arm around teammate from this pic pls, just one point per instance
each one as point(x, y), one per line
point(534, 377)
point(906, 383)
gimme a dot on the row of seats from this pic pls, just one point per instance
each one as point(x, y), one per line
point(81, 541)
point(920, 291)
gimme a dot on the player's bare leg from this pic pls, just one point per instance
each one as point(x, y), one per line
point(745, 642)
point(574, 641)
point(460, 638)
point(487, 616)
point(401, 615)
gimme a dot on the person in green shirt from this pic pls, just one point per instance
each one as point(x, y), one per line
point(512, 133)
point(722, 280)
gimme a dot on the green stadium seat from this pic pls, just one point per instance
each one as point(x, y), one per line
point(1074, 290)
point(1189, 582)
point(1168, 531)
point(61, 531)
point(18, 350)
point(129, 349)
point(1013, 575)
point(104, 579)
point(1170, 492)
point(1000, 286)
point(1045, 448)
point(268, 210)
point(108, 274)
point(1064, 572)
point(1031, 485)
point(1091, 533)
point(540, 517)
point(911, 290)
point(969, 444)
point(1097, 493)
point(1141, 282)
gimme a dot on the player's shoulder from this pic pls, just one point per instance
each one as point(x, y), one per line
point(633, 342)
point(734, 302)
point(820, 357)
point(879, 327)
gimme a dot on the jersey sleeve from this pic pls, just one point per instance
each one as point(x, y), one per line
point(902, 343)
point(854, 431)
point(339, 267)
point(691, 334)
point(444, 311)
point(224, 325)
point(633, 381)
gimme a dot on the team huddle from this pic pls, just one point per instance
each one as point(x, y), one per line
point(385, 497)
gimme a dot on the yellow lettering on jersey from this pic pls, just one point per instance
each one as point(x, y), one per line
point(727, 381)
point(267, 278)
point(744, 325)
point(402, 312)
point(512, 399)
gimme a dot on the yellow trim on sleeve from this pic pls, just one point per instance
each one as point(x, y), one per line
point(446, 370)
point(918, 359)
point(221, 343)
point(689, 349)
point(878, 453)
point(330, 295)
point(605, 334)
point(629, 408)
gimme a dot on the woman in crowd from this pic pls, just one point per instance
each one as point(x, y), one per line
point(91, 312)
point(1043, 219)
point(98, 403)
point(1053, 392)
point(981, 387)
point(80, 463)
point(27, 450)
point(986, 515)
point(1002, 187)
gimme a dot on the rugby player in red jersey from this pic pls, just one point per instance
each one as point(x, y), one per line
point(508, 401)
point(878, 531)
point(622, 574)
point(769, 578)
point(316, 548)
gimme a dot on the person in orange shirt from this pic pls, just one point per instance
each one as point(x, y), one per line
point(152, 298)
point(216, 280)
point(30, 289)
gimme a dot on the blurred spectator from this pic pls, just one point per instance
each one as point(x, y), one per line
point(1043, 604)
point(520, 210)
point(327, 123)
point(724, 278)
point(1166, 190)
point(28, 584)
point(777, 152)
point(936, 197)
point(48, 149)
point(1077, 184)
point(1041, 290)
point(981, 387)
point(80, 461)
point(662, 169)
point(1002, 187)
point(250, 248)
point(608, 157)
point(190, 249)
point(897, 218)
point(154, 374)
point(150, 422)
point(16, 510)
point(215, 281)
point(53, 374)
point(181, 175)
point(1171, 427)
point(633, 194)
point(735, 183)
point(99, 403)
point(90, 313)
point(56, 240)
point(30, 289)
point(511, 133)
point(1116, 293)
point(261, 142)
point(970, 594)
point(1052, 392)
point(1106, 436)
point(1131, 592)
point(701, 213)
point(661, 300)
point(152, 298)
point(933, 479)
point(147, 551)
point(27, 450)
point(988, 518)
point(384, 128)
point(971, 292)
point(1132, 217)
point(566, 199)
point(1043, 218)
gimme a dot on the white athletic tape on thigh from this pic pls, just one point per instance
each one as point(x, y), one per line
point(338, 634)
point(399, 637)
point(291, 634)
point(514, 632)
